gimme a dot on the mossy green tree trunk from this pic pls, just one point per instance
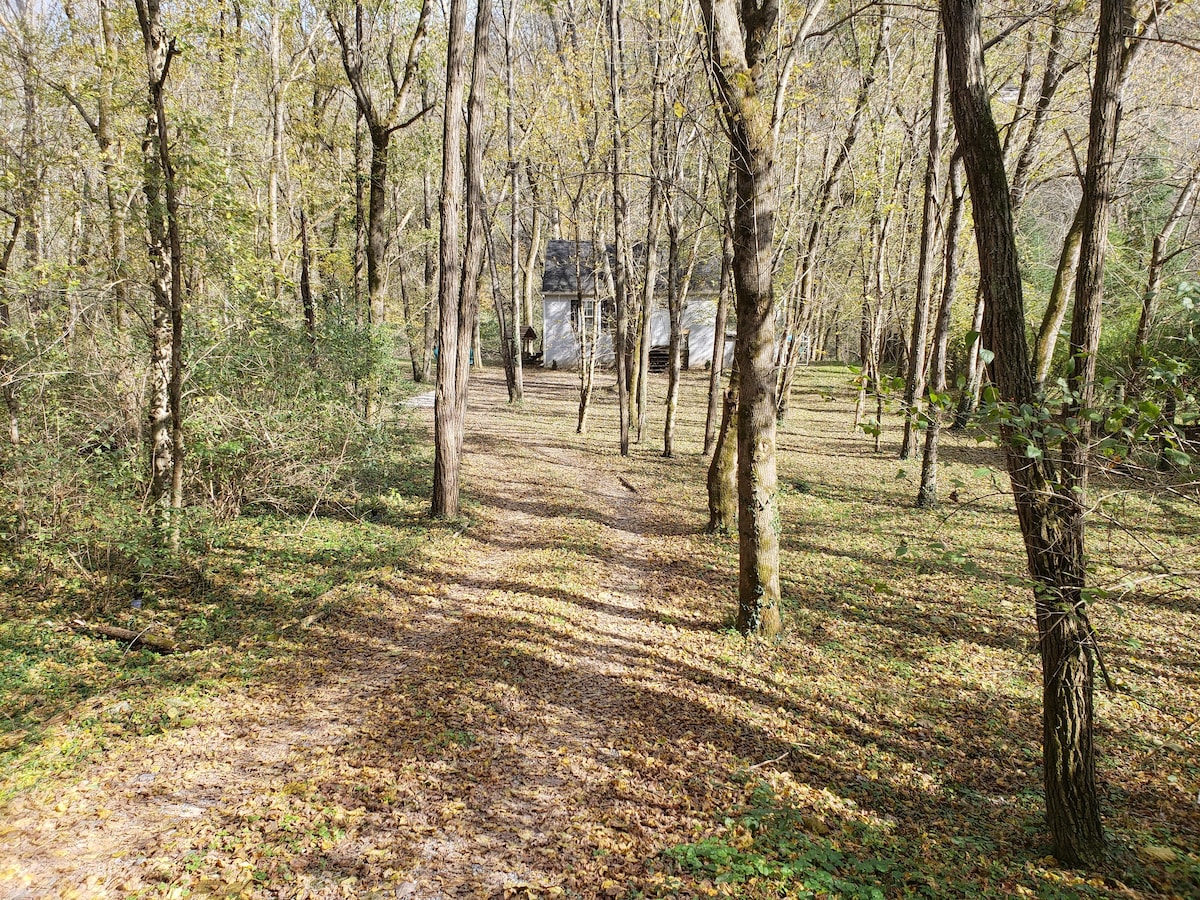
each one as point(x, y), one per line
point(737, 34)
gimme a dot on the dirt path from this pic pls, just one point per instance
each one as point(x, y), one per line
point(490, 721)
point(541, 699)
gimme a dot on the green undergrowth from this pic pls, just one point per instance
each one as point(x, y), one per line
point(236, 601)
point(772, 846)
point(238, 610)
point(767, 845)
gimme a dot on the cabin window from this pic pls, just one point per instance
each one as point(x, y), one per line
point(583, 316)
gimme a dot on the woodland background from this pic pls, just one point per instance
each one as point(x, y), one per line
point(220, 262)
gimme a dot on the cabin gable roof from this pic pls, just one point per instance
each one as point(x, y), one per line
point(573, 266)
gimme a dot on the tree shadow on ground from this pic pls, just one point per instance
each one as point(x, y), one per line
point(631, 735)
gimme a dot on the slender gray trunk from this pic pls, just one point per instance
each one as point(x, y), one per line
point(927, 495)
point(914, 386)
point(721, 323)
point(459, 286)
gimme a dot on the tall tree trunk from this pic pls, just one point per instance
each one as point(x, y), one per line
point(927, 494)
point(1072, 809)
point(509, 351)
point(376, 250)
point(166, 258)
point(307, 305)
point(431, 287)
point(10, 467)
point(654, 216)
point(447, 459)
point(721, 323)
point(675, 311)
point(722, 469)
point(30, 164)
point(914, 385)
point(376, 233)
point(620, 226)
point(789, 349)
point(516, 381)
point(459, 285)
point(1050, 504)
point(475, 358)
point(529, 276)
point(1155, 267)
point(275, 165)
point(589, 335)
point(968, 399)
point(1060, 299)
point(361, 179)
point(410, 337)
point(1052, 77)
point(8, 386)
point(736, 46)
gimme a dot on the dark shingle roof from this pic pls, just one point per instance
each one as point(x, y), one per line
point(567, 261)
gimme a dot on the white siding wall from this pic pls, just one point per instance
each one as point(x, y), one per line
point(699, 318)
point(561, 348)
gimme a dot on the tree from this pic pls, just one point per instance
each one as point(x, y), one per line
point(511, 349)
point(722, 468)
point(166, 257)
point(736, 38)
point(914, 386)
point(712, 419)
point(1156, 265)
point(657, 146)
point(382, 122)
point(616, 68)
point(1051, 499)
point(458, 290)
point(8, 373)
point(927, 495)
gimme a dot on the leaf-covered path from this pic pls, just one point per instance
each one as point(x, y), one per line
point(509, 711)
point(542, 699)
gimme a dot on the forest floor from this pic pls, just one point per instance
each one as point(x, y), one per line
point(545, 698)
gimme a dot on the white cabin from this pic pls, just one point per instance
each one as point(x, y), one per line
point(575, 284)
